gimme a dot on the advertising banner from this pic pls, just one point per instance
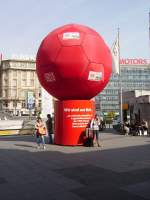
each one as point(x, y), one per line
point(47, 106)
point(72, 118)
point(30, 100)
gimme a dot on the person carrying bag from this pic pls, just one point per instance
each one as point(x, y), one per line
point(40, 132)
point(95, 123)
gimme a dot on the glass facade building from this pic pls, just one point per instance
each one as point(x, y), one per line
point(133, 77)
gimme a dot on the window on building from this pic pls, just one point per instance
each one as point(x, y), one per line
point(31, 75)
point(14, 92)
point(23, 94)
point(5, 104)
point(24, 74)
point(15, 104)
point(5, 93)
point(24, 82)
point(32, 82)
point(14, 83)
point(23, 104)
point(39, 105)
point(14, 73)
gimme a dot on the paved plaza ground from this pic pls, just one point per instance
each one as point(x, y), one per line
point(120, 170)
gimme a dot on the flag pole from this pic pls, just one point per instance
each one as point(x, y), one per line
point(120, 80)
point(149, 36)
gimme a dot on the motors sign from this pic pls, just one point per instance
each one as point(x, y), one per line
point(134, 61)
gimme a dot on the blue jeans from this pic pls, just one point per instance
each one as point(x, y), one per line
point(96, 132)
point(50, 139)
point(41, 139)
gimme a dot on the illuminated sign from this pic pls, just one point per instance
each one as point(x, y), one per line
point(134, 61)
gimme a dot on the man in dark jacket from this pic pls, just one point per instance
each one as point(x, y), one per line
point(49, 125)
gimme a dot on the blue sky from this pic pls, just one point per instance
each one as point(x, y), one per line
point(24, 23)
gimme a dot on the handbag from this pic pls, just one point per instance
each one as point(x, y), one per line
point(42, 131)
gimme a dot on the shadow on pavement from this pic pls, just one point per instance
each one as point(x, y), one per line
point(31, 137)
point(121, 173)
point(24, 145)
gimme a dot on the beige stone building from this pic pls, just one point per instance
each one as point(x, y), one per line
point(18, 83)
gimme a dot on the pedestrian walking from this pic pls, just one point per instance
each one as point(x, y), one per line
point(95, 123)
point(49, 125)
point(40, 132)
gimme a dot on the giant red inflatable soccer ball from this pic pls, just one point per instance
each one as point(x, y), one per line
point(73, 62)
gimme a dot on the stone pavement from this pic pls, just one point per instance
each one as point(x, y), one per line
point(120, 170)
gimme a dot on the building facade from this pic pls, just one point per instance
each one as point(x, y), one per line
point(138, 105)
point(135, 75)
point(19, 86)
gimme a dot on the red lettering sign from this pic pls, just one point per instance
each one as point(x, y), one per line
point(135, 61)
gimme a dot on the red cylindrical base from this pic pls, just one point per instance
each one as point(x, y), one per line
point(71, 120)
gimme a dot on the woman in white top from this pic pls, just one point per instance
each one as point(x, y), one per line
point(95, 123)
